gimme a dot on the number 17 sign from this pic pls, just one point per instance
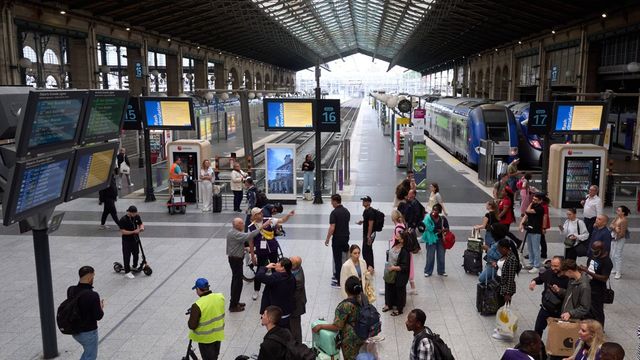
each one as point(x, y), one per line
point(540, 115)
point(328, 115)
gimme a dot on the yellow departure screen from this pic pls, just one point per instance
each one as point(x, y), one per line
point(99, 168)
point(579, 117)
point(298, 114)
point(175, 113)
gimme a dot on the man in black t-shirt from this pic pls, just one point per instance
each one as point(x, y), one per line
point(533, 224)
point(599, 267)
point(130, 227)
point(339, 233)
point(368, 235)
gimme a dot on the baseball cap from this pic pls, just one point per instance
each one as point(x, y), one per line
point(366, 198)
point(132, 209)
point(255, 211)
point(201, 283)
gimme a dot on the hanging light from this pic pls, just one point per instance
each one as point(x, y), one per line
point(208, 96)
point(252, 95)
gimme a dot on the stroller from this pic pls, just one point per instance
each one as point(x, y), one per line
point(144, 266)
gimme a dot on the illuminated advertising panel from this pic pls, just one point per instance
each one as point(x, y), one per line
point(280, 162)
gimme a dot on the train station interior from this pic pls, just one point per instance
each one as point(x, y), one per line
point(446, 90)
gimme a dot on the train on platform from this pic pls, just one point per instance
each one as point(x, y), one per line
point(459, 124)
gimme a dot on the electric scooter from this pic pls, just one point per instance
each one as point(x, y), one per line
point(144, 266)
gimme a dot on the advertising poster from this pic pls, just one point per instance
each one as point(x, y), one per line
point(420, 165)
point(280, 163)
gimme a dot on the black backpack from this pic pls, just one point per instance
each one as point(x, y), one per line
point(440, 349)
point(295, 350)
point(378, 220)
point(412, 245)
point(261, 199)
point(68, 316)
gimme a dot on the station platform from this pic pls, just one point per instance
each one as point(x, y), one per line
point(144, 317)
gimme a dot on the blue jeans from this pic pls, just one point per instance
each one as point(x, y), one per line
point(435, 252)
point(89, 342)
point(488, 238)
point(308, 182)
point(533, 243)
point(488, 273)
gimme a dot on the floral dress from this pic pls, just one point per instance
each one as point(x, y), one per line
point(346, 315)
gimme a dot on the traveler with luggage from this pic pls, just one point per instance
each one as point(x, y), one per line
point(489, 246)
point(108, 197)
point(346, 317)
point(396, 276)
point(90, 308)
point(421, 346)
point(206, 185)
point(551, 303)
point(435, 226)
point(206, 320)
point(506, 270)
point(124, 167)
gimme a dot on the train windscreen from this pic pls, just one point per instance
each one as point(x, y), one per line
point(496, 124)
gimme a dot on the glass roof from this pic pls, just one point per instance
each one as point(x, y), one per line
point(336, 28)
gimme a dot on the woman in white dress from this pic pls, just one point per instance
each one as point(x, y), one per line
point(206, 185)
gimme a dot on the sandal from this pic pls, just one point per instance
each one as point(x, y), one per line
point(396, 313)
point(385, 308)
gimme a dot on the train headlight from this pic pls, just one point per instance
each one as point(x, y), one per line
point(513, 151)
point(535, 143)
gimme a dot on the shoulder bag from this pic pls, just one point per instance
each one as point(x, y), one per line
point(609, 294)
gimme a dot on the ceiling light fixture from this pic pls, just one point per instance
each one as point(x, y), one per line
point(128, 29)
point(519, 42)
point(553, 32)
point(169, 40)
point(604, 15)
point(62, 12)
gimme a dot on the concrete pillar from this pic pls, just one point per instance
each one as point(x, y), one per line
point(512, 76)
point(9, 73)
point(136, 80)
point(201, 73)
point(83, 62)
point(542, 73)
point(174, 74)
point(221, 76)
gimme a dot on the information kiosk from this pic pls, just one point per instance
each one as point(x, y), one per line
point(192, 153)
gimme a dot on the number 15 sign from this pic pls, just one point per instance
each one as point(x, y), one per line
point(540, 115)
point(328, 115)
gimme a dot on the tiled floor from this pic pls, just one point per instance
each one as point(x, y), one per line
point(144, 317)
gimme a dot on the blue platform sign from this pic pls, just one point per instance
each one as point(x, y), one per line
point(138, 69)
point(540, 116)
point(328, 115)
point(554, 73)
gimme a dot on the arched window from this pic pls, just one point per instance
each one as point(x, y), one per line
point(30, 54)
point(50, 57)
point(51, 82)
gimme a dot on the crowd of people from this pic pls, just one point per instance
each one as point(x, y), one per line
point(574, 283)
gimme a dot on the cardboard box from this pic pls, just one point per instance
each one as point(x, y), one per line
point(561, 336)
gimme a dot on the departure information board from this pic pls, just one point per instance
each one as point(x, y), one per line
point(37, 184)
point(288, 114)
point(51, 122)
point(92, 168)
point(579, 117)
point(104, 115)
point(168, 113)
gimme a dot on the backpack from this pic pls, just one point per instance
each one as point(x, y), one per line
point(368, 322)
point(295, 350)
point(440, 349)
point(412, 244)
point(68, 316)
point(378, 220)
point(261, 199)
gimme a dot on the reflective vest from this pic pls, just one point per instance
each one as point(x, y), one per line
point(172, 173)
point(211, 326)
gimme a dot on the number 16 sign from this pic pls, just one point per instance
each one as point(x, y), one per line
point(328, 115)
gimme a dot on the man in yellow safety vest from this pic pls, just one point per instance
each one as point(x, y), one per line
point(207, 320)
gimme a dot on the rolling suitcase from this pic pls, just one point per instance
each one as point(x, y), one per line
point(487, 298)
point(472, 262)
point(325, 342)
point(217, 203)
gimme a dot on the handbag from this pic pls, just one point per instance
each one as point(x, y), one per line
point(609, 294)
point(125, 169)
point(448, 240)
point(389, 276)
point(550, 301)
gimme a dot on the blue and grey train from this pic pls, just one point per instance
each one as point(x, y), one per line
point(529, 146)
point(458, 125)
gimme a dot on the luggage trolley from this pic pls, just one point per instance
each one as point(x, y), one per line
point(176, 203)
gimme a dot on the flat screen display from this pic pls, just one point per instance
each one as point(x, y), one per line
point(280, 179)
point(288, 114)
point(52, 121)
point(38, 184)
point(92, 169)
point(168, 113)
point(104, 116)
point(581, 117)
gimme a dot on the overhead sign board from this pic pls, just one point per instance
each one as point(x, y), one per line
point(288, 114)
point(540, 117)
point(579, 117)
point(104, 115)
point(168, 113)
point(92, 169)
point(132, 120)
point(328, 115)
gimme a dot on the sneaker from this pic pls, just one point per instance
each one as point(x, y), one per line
point(528, 267)
point(526, 256)
point(255, 295)
point(618, 275)
point(381, 291)
point(497, 336)
point(427, 275)
point(443, 274)
point(103, 227)
point(129, 275)
point(335, 285)
point(534, 270)
point(333, 278)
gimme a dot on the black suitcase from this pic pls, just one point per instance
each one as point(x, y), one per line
point(487, 298)
point(472, 262)
point(217, 203)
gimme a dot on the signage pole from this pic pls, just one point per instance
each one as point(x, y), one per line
point(246, 128)
point(148, 190)
point(318, 188)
